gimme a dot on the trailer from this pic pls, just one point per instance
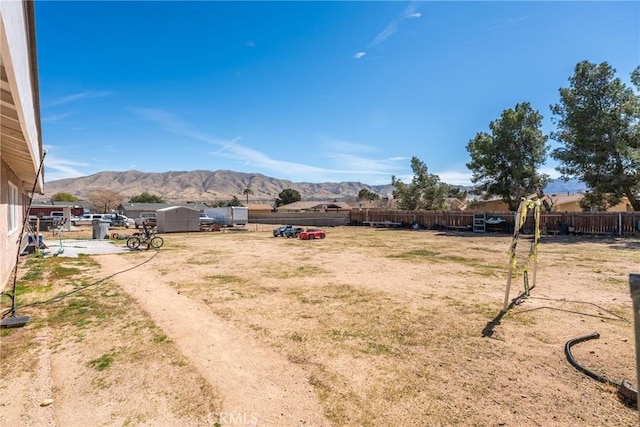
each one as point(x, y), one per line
point(229, 216)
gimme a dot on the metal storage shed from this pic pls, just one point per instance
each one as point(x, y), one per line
point(178, 218)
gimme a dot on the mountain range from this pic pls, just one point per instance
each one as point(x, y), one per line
point(213, 186)
point(206, 186)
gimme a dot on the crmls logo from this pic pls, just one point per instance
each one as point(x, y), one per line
point(232, 419)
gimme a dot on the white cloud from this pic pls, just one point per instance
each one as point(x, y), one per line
point(392, 27)
point(57, 168)
point(76, 96)
point(455, 177)
point(55, 117)
point(554, 174)
point(229, 149)
point(359, 55)
point(346, 160)
point(250, 43)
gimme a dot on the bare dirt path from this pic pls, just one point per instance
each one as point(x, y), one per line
point(255, 382)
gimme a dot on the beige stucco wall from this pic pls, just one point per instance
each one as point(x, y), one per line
point(17, 48)
point(8, 242)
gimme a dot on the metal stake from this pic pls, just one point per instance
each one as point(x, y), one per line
point(634, 285)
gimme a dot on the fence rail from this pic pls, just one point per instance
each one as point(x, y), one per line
point(594, 223)
point(591, 223)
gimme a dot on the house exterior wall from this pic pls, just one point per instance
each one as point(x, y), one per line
point(488, 206)
point(9, 240)
point(574, 206)
point(18, 171)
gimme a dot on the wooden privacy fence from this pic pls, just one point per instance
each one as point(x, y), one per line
point(592, 223)
point(318, 219)
point(602, 223)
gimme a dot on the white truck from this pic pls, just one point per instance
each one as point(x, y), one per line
point(148, 218)
point(229, 216)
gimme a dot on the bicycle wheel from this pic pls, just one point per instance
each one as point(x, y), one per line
point(156, 242)
point(133, 243)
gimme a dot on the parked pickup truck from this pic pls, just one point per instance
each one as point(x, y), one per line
point(287, 231)
point(148, 218)
point(205, 220)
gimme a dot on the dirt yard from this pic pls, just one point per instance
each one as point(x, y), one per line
point(366, 327)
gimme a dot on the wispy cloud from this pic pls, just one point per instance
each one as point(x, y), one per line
point(455, 177)
point(408, 13)
point(58, 168)
point(55, 117)
point(250, 43)
point(344, 158)
point(552, 172)
point(77, 96)
point(229, 148)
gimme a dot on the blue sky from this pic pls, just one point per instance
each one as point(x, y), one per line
point(306, 91)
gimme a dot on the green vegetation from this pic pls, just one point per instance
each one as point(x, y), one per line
point(64, 197)
point(146, 198)
point(234, 202)
point(102, 362)
point(425, 192)
point(598, 123)
point(287, 196)
point(505, 163)
point(365, 194)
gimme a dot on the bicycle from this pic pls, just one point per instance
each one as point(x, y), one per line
point(147, 238)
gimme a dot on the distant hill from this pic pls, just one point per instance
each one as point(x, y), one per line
point(558, 186)
point(206, 186)
point(212, 186)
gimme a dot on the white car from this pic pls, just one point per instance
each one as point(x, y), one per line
point(87, 219)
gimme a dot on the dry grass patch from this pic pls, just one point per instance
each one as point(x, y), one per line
point(389, 324)
point(96, 339)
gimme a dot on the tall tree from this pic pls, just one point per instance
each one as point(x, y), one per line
point(598, 123)
point(288, 195)
point(246, 192)
point(103, 201)
point(426, 191)
point(505, 163)
point(146, 198)
point(365, 194)
point(234, 202)
point(64, 197)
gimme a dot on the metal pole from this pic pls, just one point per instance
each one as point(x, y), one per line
point(536, 242)
point(619, 224)
point(634, 285)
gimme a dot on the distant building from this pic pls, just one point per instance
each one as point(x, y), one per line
point(133, 210)
point(314, 207)
point(556, 203)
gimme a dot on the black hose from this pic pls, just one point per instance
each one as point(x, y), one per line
point(595, 376)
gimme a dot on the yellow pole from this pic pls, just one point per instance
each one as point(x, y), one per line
point(536, 240)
